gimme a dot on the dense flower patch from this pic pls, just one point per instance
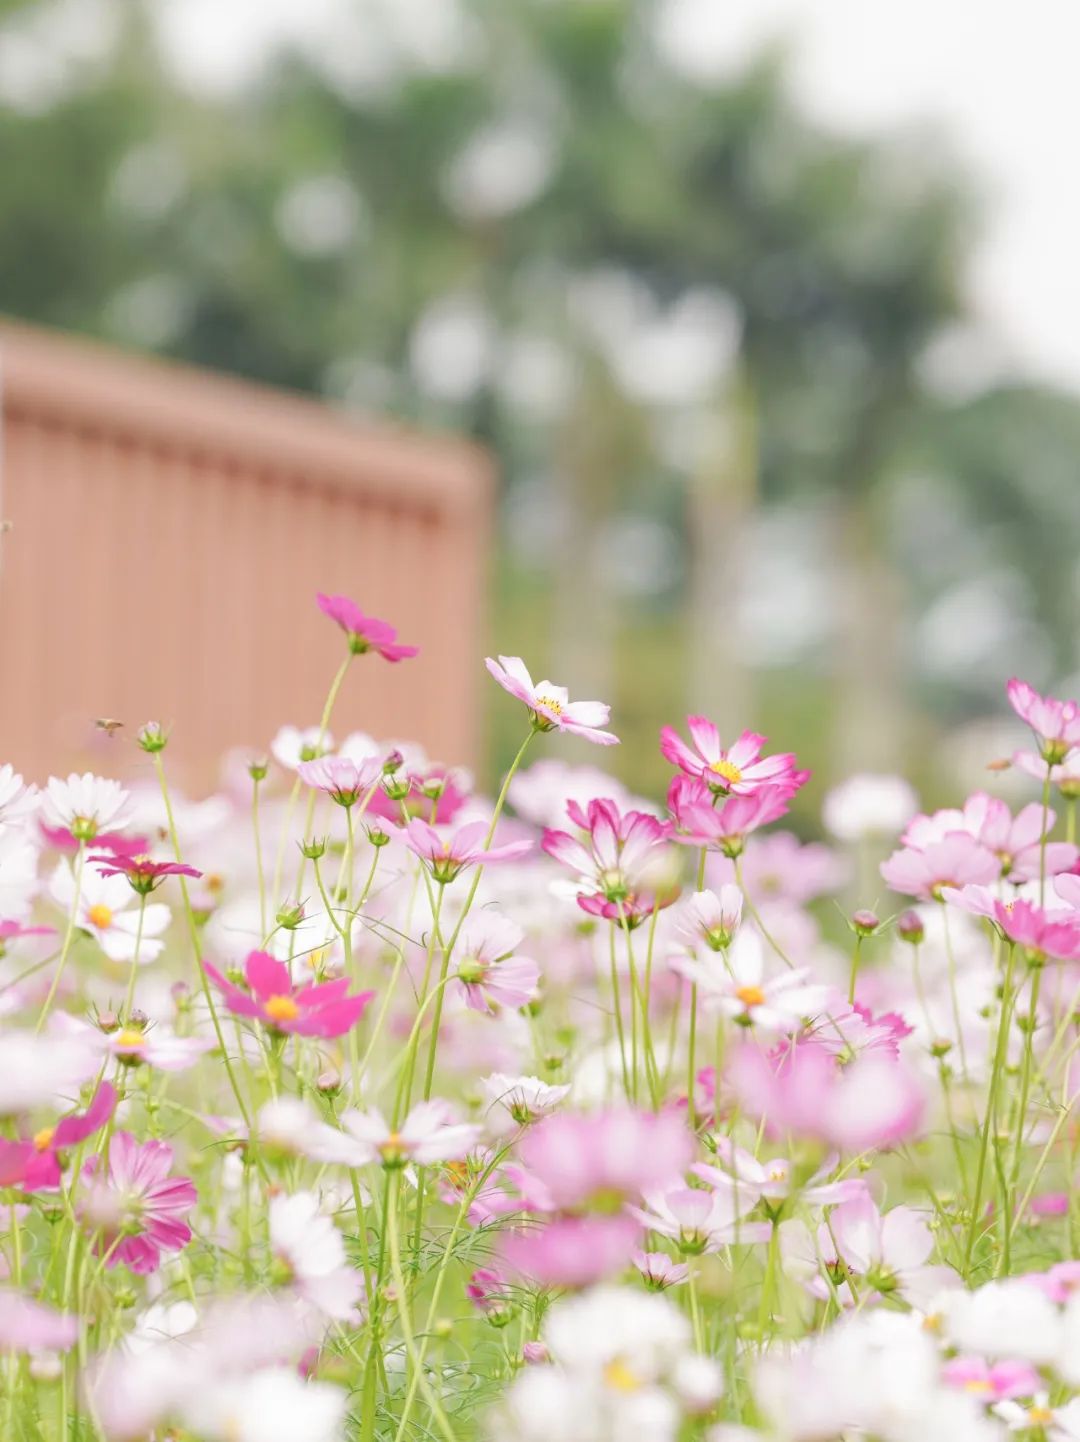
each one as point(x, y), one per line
point(349, 1104)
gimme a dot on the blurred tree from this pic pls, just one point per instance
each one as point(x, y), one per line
point(661, 301)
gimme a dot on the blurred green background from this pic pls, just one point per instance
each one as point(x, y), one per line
point(708, 342)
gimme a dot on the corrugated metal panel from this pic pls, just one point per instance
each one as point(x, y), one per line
point(169, 532)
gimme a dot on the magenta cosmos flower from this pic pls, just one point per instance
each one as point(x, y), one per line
point(143, 875)
point(700, 822)
point(365, 633)
point(447, 856)
point(615, 857)
point(36, 1164)
point(135, 1205)
point(320, 1010)
point(549, 705)
point(736, 770)
point(1056, 724)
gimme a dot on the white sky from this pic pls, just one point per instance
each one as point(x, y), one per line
point(1001, 76)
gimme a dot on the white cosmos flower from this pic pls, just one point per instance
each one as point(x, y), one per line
point(309, 1244)
point(428, 1134)
point(271, 1405)
point(1009, 1318)
point(292, 745)
point(18, 874)
point(107, 910)
point(868, 804)
point(18, 801)
point(525, 1098)
point(735, 984)
point(85, 805)
point(43, 1070)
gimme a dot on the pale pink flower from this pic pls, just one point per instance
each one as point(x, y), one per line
point(736, 770)
point(868, 804)
point(578, 1157)
point(448, 856)
point(292, 745)
point(700, 1221)
point(873, 1101)
point(1056, 724)
point(711, 918)
point(549, 705)
point(29, 1326)
point(1065, 775)
point(779, 867)
point(773, 1182)
point(888, 1250)
point(572, 1251)
point(133, 1205)
point(344, 781)
point(958, 860)
point(659, 1271)
point(525, 1098)
point(491, 974)
point(541, 792)
point(991, 1381)
point(1015, 841)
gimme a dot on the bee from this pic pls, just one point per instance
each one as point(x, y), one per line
point(109, 726)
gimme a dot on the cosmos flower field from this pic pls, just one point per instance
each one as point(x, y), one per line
point(351, 1103)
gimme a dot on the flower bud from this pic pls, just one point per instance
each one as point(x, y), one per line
point(290, 917)
point(258, 768)
point(864, 922)
point(328, 1082)
point(108, 1021)
point(315, 849)
point(910, 928)
point(152, 737)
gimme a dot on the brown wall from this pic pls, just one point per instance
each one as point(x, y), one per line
point(168, 532)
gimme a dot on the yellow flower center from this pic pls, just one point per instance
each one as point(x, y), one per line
point(43, 1138)
point(979, 1385)
point(751, 995)
point(281, 1008)
point(1040, 1416)
point(128, 1039)
point(100, 915)
point(727, 770)
point(549, 705)
point(619, 1377)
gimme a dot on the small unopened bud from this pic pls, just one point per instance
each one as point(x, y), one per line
point(138, 1020)
point(181, 995)
point(315, 849)
point(535, 1352)
point(910, 928)
point(940, 1047)
point(108, 1021)
point(377, 836)
point(152, 737)
point(258, 768)
point(443, 1328)
point(44, 1366)
point(290, 917)
point(328, 1082)
point(864, 922)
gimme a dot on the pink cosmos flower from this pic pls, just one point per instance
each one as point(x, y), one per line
point(779, 867)
point(699, 1221)
point(1015, 841)
point(848, 1033)
point(889, 1249)
point(491, 974)
point(616, 858)
point(437, 793)
point(958, 860)
point(135, 1205)
point(738, 770)
point(30, 1326)
point(142, 874)
point(1065, 776)
point(343, 780)
point(549, 705)
point(365, 633)
point(490, 1293)
point(571, 1251)
point(448, 856)
point(659, 1271)
point(1045, 933)
point(583, 1158)
point(1056, 724)
point(872, 1102)
point(321, 1010)
point(11, 930)
point(710, 919)
point(700, 823)
point(773, 1182)
point(995, 1381)
point(36, 1165)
